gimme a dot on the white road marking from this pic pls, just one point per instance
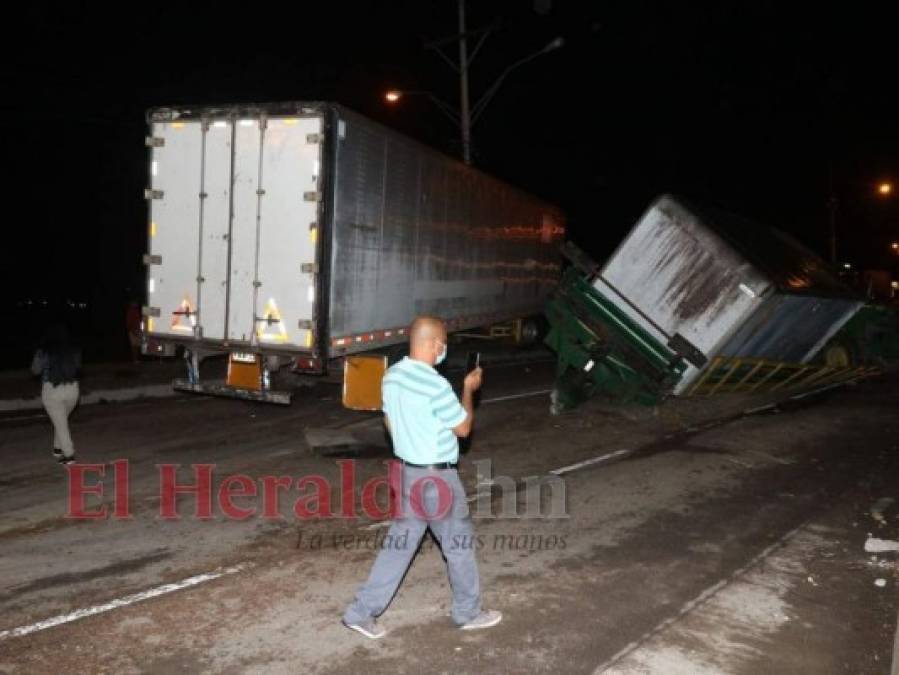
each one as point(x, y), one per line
point(280, 452)
point(761, 408)
point(377, 525)
point(121, 602)
point(739, 463)
point(478, 494)
point(703, 597)
point(27, 417)
point(770, 457)
point(820, 389)
point(588, 462)
point(514, 396)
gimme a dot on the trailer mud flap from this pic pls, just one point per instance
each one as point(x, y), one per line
point(362, 377)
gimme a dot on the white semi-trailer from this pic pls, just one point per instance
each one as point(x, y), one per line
point(303, 232)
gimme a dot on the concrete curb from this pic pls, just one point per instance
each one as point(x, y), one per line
point(96, 396)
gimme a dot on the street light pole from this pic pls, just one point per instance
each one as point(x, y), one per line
point(464, 110)
point(832, 206)
point(468, 114)
point(491, 92)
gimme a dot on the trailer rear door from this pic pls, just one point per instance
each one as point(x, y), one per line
point(234, 213)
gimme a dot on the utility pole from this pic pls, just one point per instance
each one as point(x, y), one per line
point(833, 205)
point(468, 114)
point(464, 109)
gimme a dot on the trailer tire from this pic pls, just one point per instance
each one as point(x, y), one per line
point(532, 331)
point(839, 354)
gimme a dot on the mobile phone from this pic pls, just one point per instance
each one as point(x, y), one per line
point(474, 361)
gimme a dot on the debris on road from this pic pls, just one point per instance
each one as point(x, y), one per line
point(875, 545)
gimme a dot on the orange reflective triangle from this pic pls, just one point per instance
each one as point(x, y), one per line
point(271, 328)
point(183, 318)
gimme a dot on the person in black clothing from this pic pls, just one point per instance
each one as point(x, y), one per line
point(58, 362)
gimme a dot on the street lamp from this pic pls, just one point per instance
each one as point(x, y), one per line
point(467, 114)
point(395, 95)
point(885, 189)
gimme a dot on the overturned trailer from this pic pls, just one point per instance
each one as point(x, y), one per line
point(693, 301)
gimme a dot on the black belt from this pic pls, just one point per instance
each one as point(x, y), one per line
point(441, 465)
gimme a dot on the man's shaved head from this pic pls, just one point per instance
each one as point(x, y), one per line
point(426, 328)
point(427, 338)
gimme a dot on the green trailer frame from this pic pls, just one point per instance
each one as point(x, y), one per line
point(601, 349)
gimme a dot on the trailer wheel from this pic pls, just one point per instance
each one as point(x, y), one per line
point(531, 332)
point(838, 355)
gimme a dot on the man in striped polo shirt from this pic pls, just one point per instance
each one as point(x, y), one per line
point(425, 420)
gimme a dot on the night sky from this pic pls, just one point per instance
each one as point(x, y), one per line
point(755, 107)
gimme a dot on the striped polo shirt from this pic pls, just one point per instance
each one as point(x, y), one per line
point(422, 410)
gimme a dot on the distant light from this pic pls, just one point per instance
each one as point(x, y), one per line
point(247, 123)
point(895, 245)
point(558, 43)
point(885, 188)
point(895, 284)
point(220, 124)
point(847, 266)
point(393, 96)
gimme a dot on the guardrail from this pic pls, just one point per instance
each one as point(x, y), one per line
point(728, 374)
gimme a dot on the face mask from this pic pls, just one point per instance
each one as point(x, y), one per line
point(440, 357)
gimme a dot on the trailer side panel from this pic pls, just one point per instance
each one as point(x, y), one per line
point(415, 232)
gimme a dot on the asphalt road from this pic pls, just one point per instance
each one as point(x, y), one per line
point(681, 547)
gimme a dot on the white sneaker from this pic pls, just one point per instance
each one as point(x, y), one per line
point(368, 628)
point(485, 619)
